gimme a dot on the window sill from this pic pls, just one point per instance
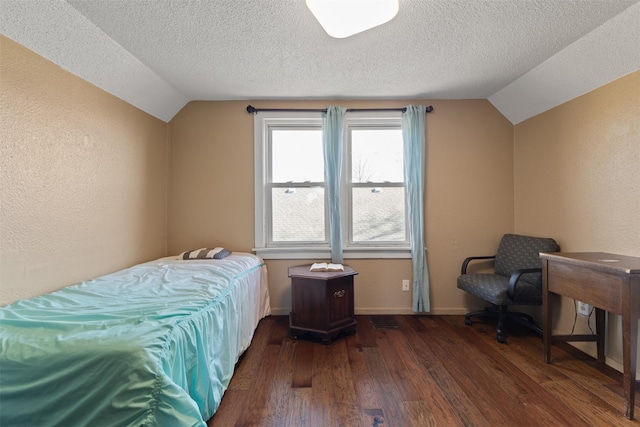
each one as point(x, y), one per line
point(324, 253)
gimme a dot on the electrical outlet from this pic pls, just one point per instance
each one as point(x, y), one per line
point(405, 286)
point(584, 309)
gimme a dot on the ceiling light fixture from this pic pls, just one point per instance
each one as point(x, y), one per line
point(344, 18)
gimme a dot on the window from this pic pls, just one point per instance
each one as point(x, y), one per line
point(291, 208)
point(375, 183)
point(295, 183)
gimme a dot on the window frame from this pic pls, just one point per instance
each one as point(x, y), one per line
point(264, 123)
point(367, 121)
point(269, 185)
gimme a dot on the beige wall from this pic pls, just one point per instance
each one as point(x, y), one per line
point(83, 178)
point(87, 187)
point(577, 179)
point(469, 195)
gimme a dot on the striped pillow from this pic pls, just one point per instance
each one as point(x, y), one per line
point(205, 253)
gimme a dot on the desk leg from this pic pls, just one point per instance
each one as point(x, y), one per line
point(630, 314)
point(629, 357)
point(546, 313)
point(600, 333)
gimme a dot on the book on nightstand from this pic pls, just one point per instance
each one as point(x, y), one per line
point(323, 266)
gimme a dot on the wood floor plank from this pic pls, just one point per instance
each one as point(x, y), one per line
point(363, 383)
point(419, 414)
point(303, 364)
point(385, 387)
point(399, 364)
point(484, 391)
point(279, 330)
point(251, 360)
point(278, 401)
point(300, 408)
point(421, 389)
point(429, 371)
point(322, 412)
point(525, 394)
point(373, 417)
point(366, 332)
point(344, 394)
point(230, 410)
point(588, 405)
point(588, 392)
point(541, 374)
point(465, 411)
point(244, 377)
point(252, 412)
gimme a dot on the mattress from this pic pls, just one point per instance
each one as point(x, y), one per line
point(154, 344)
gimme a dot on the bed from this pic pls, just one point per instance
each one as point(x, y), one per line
point(152, 345)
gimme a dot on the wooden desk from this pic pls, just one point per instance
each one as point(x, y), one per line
point(609, 282)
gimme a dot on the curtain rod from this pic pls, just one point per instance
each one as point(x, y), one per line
point(253, 110)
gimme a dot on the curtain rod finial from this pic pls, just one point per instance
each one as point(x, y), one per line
point(429, 108)
point(251, 110)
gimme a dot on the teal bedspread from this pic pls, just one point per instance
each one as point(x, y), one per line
point(152, 345)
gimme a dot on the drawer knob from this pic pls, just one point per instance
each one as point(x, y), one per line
point(339, 294)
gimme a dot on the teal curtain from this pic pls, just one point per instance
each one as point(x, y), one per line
point(332, 136)
point(413, 134)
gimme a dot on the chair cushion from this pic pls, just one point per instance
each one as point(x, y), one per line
point(517, 252)
point(493, 288)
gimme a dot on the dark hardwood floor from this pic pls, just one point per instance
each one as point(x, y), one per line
point(417, 371)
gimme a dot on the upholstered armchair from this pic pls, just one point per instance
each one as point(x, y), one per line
point(516, 280)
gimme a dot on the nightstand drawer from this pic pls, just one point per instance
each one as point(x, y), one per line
point(339, 301)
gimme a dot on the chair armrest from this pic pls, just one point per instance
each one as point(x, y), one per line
point(466, 262)
point(515, 276)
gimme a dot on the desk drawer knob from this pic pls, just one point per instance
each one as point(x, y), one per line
point(339, 294)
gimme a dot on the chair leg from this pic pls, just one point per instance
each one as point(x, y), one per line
point(501, 332)
point(504, 316)
point(489, 312)
point(493, 313)
point(525, 320)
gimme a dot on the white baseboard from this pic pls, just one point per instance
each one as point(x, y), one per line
point(386, 311)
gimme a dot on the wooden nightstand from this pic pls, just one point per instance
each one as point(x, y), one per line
point(321, 302)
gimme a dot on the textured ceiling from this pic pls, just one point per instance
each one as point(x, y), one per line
point(525, 56)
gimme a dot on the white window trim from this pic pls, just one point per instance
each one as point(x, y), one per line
point(262, 122)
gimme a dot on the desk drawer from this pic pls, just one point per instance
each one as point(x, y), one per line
point(597, 288)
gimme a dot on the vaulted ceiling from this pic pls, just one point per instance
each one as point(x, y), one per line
point(524, 56)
